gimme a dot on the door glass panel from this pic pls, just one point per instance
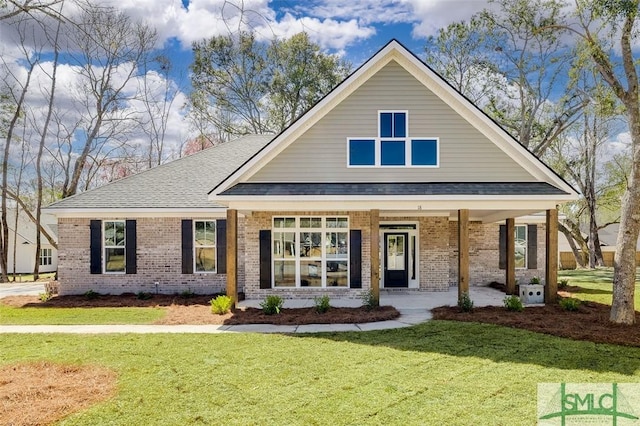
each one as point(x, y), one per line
point(311, 273)
point(310, 244)
point(395, 252)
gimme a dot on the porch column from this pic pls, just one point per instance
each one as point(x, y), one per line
point(374, 216)
point(463, 252)
point(510, 230)
point(551, 254)
point(232, 255)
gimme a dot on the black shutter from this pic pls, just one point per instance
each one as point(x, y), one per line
point(187, 246)
point(95, 246)
point(130, 246)
point(502, 262)
point(221, 246)
point(265, 259)
point(355, 258)
point(532, 246)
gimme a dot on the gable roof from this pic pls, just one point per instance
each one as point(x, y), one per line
point(27, 230)
point(178, 185)
point(394, 51)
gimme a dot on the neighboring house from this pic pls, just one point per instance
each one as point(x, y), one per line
point(25, 248)
point(379, 185)
point(607, 235)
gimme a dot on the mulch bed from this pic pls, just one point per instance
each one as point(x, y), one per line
point(41, 393)
point(590, 322)
point(197, 310)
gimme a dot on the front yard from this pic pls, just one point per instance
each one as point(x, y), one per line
point(436, 373)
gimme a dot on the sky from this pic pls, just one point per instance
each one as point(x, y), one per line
point(354, 30)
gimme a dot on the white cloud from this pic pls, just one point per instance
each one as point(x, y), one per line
point(328, 33)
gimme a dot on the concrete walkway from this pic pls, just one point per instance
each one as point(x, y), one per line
point(414, 308)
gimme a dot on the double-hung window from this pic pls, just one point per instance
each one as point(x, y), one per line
point(310, 251)
point(521, 246)
point(114, 245)
point(204, 245)
point(45, 256)
point(393, 147)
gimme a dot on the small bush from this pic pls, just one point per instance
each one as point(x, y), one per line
point(563, 283)
point(45, 297)
point(321, 304)
point(187, 294)
point(570, 304)
point(91, 295)
point(143, 295)
point(221, 305)
point(513, 303)
point(272, 304)
point(535, 280)
point(369, 300)
point(465, 303)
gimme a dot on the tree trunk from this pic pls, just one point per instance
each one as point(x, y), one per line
point(624, 274)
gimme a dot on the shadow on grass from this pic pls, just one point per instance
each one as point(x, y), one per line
point(498, 344)
point(576, 289)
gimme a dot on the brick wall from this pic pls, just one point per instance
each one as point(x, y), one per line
point(484, 255)
point(159, 259)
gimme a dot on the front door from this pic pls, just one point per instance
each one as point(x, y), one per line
point(396, 260)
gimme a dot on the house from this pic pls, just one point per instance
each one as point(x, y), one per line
point(608, 237)
point(22, 237)
point(393, 180)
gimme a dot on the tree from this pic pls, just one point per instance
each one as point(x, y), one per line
point(300, 76)
point(29, 7)
point(109, 50)
point(245, 86)
point(601, 24)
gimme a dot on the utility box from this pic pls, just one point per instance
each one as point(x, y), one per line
point(531, 294)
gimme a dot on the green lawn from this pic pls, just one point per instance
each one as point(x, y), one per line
point(67, 316)
point(435, 373)
point(595, 284)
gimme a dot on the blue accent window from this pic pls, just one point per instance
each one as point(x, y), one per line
point(386, 124)
point(362, 152)
point(393, 124)
point(399, 125)
point(392, 153)
point(424, 152)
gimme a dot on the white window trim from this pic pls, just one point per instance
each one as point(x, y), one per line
point(46, 254)
point(105, 247)
point(214, 246)
point(407, 146)
point(526, 244)
point(323, 230)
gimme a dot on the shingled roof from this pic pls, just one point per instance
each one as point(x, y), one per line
point(182, 183)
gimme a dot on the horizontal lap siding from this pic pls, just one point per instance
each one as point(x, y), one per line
point(320, 155)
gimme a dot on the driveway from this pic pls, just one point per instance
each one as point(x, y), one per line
point(21, 289)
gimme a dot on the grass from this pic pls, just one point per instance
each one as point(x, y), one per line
point(595, 284)
point(29, 277)
point(73, 316)
point(436, 373)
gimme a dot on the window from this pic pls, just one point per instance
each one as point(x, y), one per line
point(204, 245)
point(393, 147)
point(45, 256)
point(310, 251)
point(114, 245)
point(521, 246)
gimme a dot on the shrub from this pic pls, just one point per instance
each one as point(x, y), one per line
point(535, 280)
point(187, 294)
point(513, 303)
point(45, 297)
point(465, 303)
point(91, 295)
point(272, 304)
point(570, 304)
point(143, 295)
point(321, 304)
point(221, 305)
point(369, 300)
point(563, 283)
